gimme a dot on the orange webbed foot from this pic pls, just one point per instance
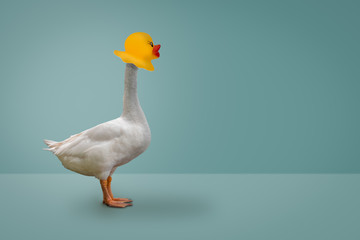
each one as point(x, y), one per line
point(125, 200)
point(116, 204)
point(108, 198)
point(121, 200)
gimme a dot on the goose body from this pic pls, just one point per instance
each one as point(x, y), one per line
point(98, 151)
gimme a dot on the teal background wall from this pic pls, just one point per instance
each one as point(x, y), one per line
point(240, 87)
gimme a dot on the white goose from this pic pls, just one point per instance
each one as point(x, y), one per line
point(98, 151)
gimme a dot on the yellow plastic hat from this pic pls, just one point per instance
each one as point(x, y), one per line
point(139, 50)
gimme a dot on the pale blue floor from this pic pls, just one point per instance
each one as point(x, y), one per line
point(182, 206)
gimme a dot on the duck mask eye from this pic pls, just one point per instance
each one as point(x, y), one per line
point(151, 44)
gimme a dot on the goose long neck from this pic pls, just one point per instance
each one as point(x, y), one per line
point(132, 109)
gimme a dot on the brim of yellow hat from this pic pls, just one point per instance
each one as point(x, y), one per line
point(140, 63)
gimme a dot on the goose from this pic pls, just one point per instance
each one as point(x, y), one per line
point(98, 151)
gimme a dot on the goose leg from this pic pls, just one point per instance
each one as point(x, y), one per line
point(112, 196)
point(108, 199)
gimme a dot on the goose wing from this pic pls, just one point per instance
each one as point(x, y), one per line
point(78, 144)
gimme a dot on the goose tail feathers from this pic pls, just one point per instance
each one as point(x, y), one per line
point(51, 144)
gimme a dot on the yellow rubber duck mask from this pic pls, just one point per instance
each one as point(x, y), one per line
point(139, 50)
